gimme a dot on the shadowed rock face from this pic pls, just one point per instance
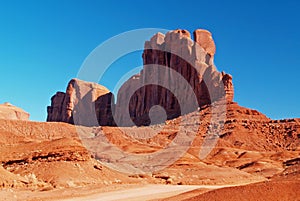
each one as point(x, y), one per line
point(176, 69)
point(8, 111)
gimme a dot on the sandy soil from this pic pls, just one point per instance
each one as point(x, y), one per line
point(47, 161)
point(275, 191)
point(108, 193)
point(147, 192)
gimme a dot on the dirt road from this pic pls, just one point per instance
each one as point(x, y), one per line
point(148, 192)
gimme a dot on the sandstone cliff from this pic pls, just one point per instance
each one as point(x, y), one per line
point(178, 75)
point(167, 59)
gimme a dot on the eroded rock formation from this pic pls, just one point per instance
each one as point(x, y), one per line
point(178, 74)
point(178, 53)
point(8, 111)
point(90, 101)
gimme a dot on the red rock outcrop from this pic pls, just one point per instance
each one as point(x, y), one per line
point(179, 75)
point(178, 53)
point(8, 111)
point(205, 40)
point(89, 101)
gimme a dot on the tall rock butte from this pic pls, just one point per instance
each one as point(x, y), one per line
point(169, 60)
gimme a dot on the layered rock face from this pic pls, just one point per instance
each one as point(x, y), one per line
point(8, 111)
point(178, 75)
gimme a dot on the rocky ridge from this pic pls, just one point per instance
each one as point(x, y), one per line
point(8, 111)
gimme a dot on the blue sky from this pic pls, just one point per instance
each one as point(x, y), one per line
point(44, 43)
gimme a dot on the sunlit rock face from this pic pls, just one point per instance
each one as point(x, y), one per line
point(83, 103)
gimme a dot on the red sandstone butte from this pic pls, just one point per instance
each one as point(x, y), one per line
point(176, 51)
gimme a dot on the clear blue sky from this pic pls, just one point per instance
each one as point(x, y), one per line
point(43, 44)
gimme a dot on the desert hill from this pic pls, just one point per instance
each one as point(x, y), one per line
point(9, 111)
point(54, 154)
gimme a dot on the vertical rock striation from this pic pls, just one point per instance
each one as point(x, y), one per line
point(193, 60)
